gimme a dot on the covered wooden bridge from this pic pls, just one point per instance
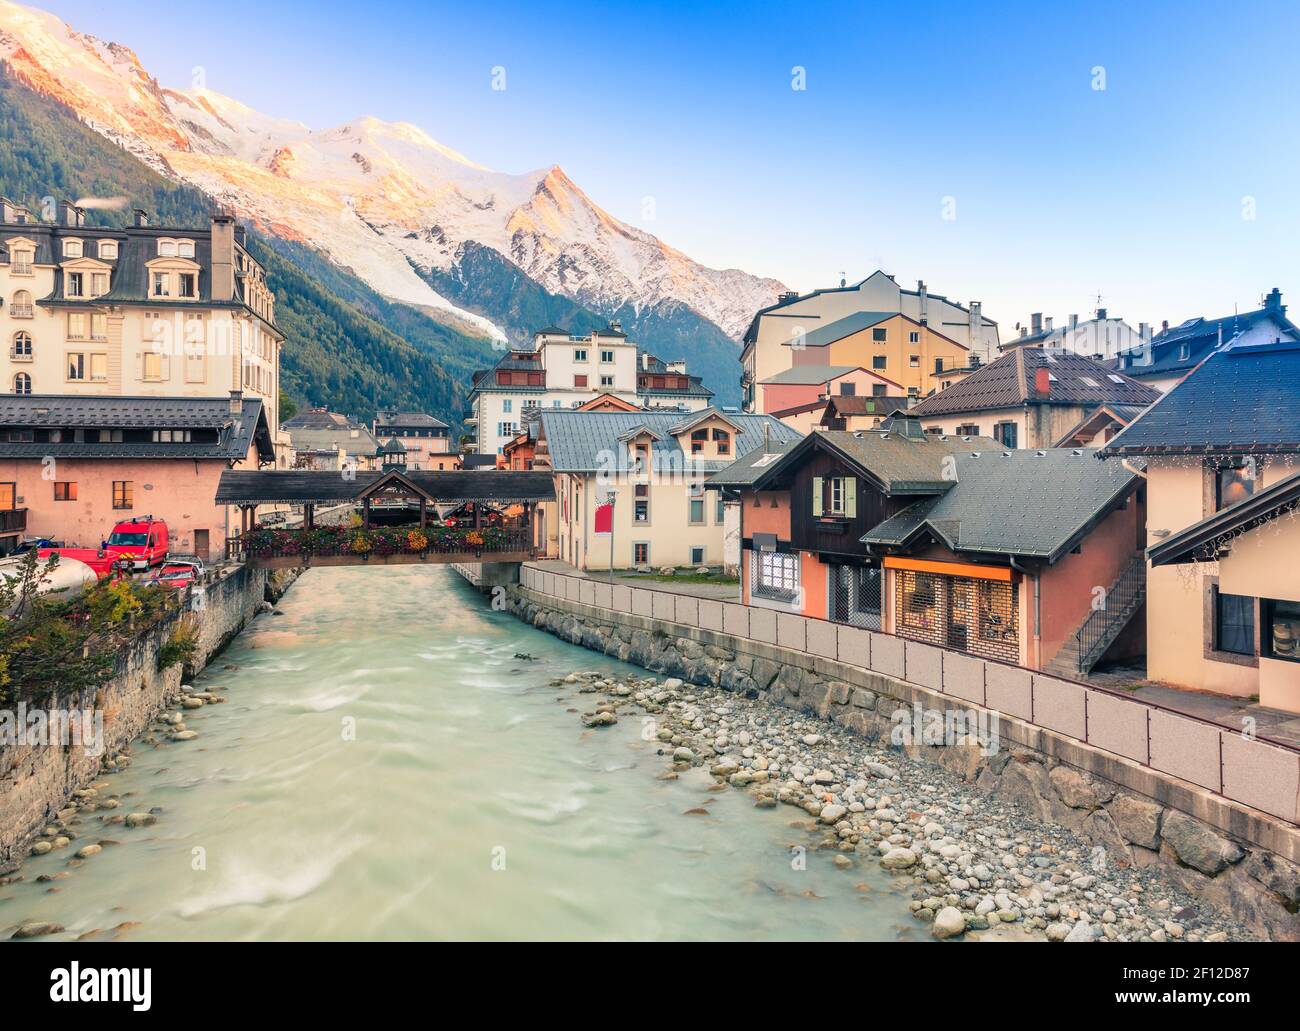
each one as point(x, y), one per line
point(495, 517)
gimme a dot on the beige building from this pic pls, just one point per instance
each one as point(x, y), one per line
point(655, 464)
point(1222, 453)
point(140, 311)
point(777, 333)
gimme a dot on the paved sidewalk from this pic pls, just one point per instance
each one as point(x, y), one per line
point(712, 591)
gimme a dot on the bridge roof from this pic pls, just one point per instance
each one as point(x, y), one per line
point(306, 486)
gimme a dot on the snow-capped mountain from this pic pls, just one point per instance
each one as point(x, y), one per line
point(381, 199)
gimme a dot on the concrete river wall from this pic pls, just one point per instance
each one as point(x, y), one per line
point(37, 780)
point(1219, 809)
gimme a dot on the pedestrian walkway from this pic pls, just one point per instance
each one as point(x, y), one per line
point(689, 588)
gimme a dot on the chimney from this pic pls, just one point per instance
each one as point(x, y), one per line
point(787, 297)
point(1101, 314)
point(1042, 381)
point(141, 218)
point(1144, 330)
point(1036, 320)
point(925, 302)
point(1047, 324)
point(68, 214)
point(223, 257)
point(1164, 326)
point(1074, 323)
point(236, 403)
point(1273, 302)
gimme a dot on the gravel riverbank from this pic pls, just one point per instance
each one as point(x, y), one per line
point(976, 866)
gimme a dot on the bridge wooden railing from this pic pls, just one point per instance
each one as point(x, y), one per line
point(276, 545)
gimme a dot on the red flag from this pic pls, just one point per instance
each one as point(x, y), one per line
point(605, 518)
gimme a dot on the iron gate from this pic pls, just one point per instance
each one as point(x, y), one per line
point(855, 595)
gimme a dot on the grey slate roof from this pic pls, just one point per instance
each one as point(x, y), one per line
point(810, 375)
point(388, 421)
point(576, 441)
point(299, 486)
point(1033, 504)
point(746, 469)
point(1200, 336)
point(1009, 383)
point(900, 464)
point(1240, 399)
point(233, 434)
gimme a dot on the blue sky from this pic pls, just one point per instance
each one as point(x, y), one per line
point(1059, 190)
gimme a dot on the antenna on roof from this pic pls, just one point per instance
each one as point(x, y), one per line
point(843, 279)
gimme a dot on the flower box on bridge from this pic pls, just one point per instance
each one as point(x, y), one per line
point(356, 545)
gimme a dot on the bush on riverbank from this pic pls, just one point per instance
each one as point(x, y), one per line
point(50, 642)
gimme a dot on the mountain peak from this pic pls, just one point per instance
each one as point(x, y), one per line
point(382, 198)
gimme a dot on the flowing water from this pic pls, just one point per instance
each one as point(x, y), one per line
point(470, 803)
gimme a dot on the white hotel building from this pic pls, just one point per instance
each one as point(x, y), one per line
point(561, 371)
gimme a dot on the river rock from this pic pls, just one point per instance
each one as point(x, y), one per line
point(185, 735)
point(1137, 820)
point(37, 929)
point(86, 851)
point(600, 719)
point(140, 819)
point(898, 859)
point(1198, 846)
point(1081, 932)
point(192, 703)
point(948, 923)
point(833, 813)
point(1057, 932)
point(41, 847)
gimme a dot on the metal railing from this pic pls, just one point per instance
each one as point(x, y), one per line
point(12, 519)
point(1249, 768)
point(22, 311)
point(1097, 632)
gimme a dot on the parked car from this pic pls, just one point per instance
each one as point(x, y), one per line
point(178, 573)
point(143, 541)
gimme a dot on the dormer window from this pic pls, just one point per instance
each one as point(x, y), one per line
point(108, 249)
point(188, 284)
point(698, 440)
point(161, 285)
point(185, 248)
point(72, 248)
point(723, 439)
point(20, 263)
point(166, 248)
point(1184, 352)
point(76, 285)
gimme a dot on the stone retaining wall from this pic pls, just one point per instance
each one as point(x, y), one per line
point(1218, 849)
point(36, 781)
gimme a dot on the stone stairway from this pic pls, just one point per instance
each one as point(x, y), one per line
point(1084, 648)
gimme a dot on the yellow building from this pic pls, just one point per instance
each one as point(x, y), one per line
point(892, 346)
point(823, 316)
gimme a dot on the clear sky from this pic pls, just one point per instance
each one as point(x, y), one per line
point(966, 145)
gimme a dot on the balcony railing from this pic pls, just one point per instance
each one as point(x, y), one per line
point(19, 356)
point(21, 268)
point(22, 311)
point(13, 520)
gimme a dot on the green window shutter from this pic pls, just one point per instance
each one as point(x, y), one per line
point(817, 495)
point(851, 497)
